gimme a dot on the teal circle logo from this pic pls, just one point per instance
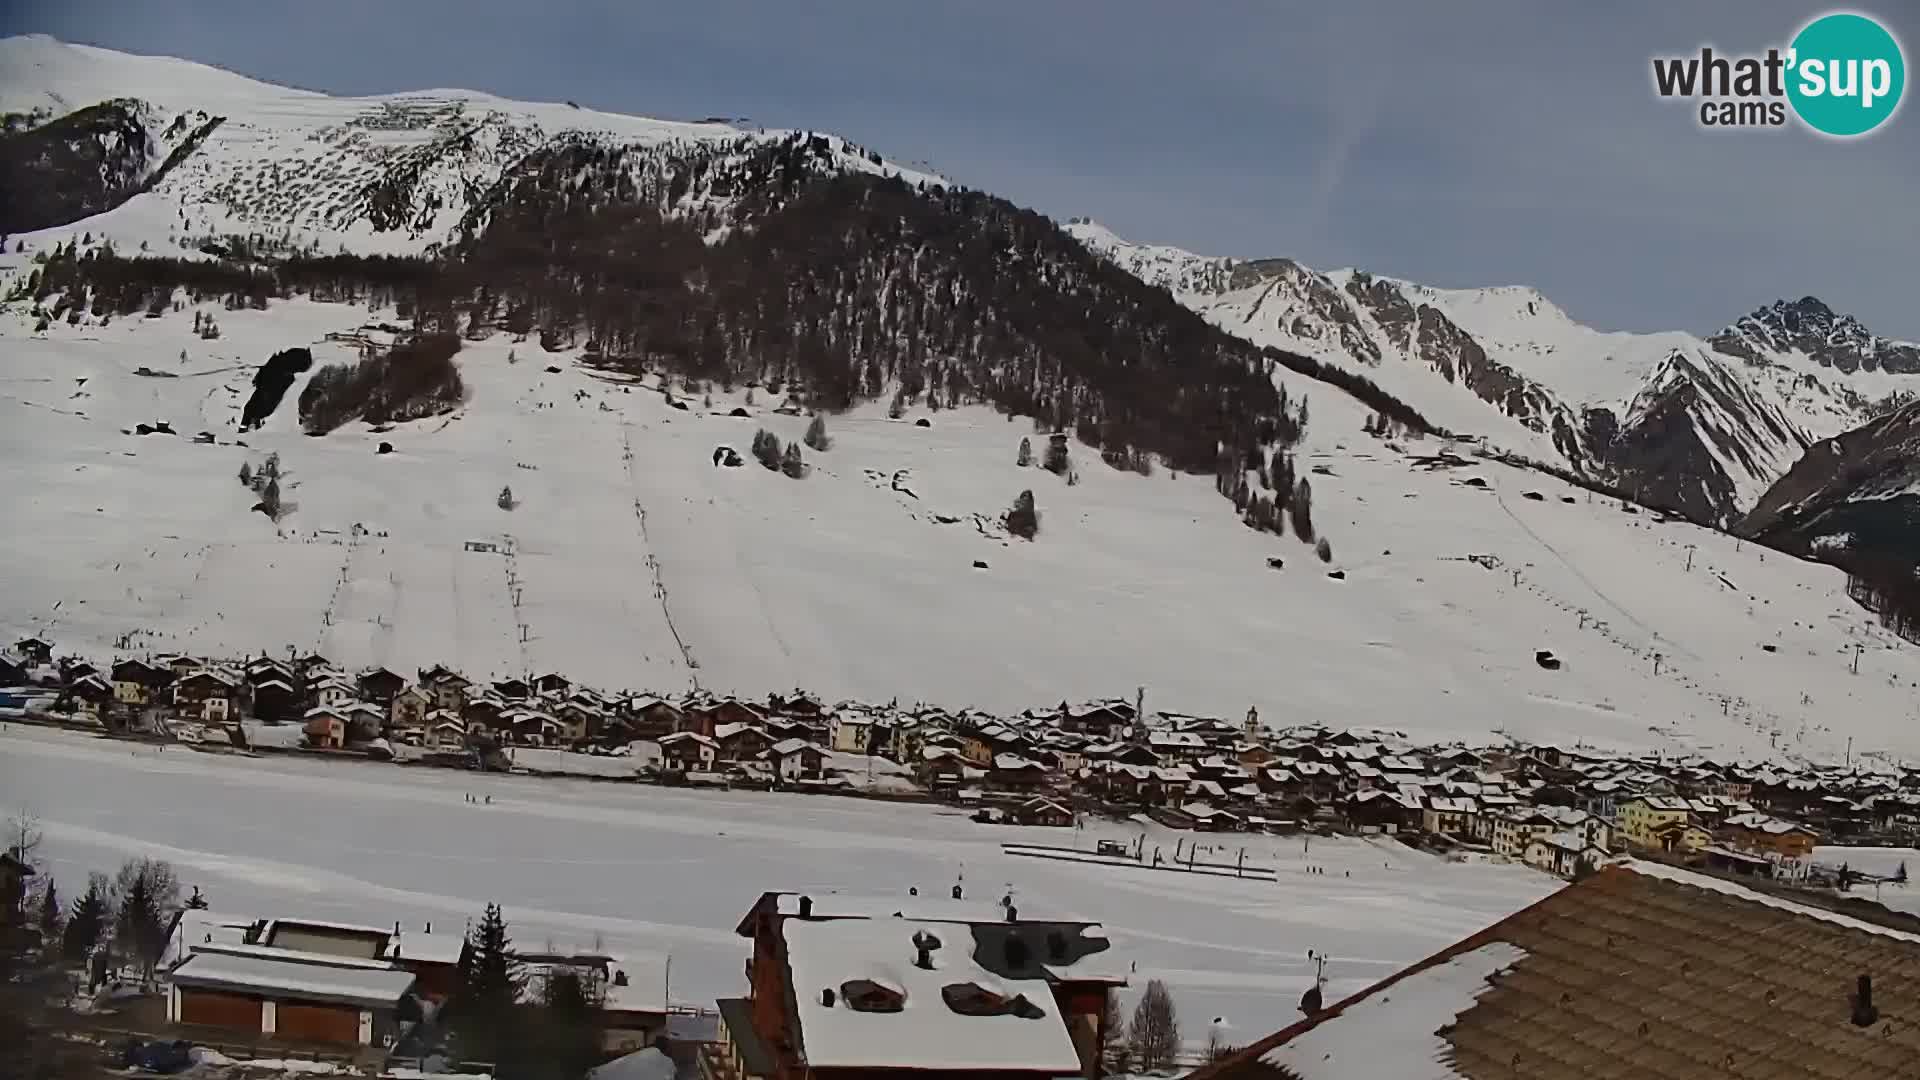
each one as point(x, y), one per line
point(1846, 74)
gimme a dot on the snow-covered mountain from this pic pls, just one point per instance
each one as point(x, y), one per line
point(1702, 426)
point(391, 174)
point(632, 555)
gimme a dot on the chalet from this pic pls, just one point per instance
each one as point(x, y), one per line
point(86, 698)
point(1177, 745)
point(799, 703)
point(312, 662)
point(650, 717)
point(512, 689)
point(850, 732)
point(1445, 816)
point(707, 716)
point(796, 759)
point(1099, 719)
point(12, 671)
point(34, 651)
point(267, 668)
point(1138, 785)
point(552, 683)
point(177, 664)
point(940, 768)
point(1208, 818)
point(1564, 853)
point(208, 695)
point(445, 731)
point(1514, 830)
point(1377, 810)
point(1013, 772)
point(326, 729)
point(1793, 994)
point(1253, 756)
point(1042, 811)
point(480, 714)
point(449, 688)
point(846, 988)
point(531, 727)
point(1680, 835)
point(380, 686)
point(580, 721)
point(136, 683)
point(331, 692)
point(1641, 815)
point(276, 699)
point(1765, 835)
point(741, 742)
point(689, 751)
point(409, 708)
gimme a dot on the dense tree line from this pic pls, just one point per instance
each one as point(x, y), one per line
point(1888, 586)
point(416, 377)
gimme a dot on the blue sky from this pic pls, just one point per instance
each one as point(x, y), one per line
point(1476, 144)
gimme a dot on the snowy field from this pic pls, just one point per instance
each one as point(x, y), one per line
point(859, 581)
point(652, 872)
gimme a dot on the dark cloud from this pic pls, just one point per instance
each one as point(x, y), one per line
point(1490, 143)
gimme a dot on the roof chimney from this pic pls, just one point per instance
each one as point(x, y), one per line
point(923, 946)
point(1013, 913)
point(806, 911)
point(826, 997)
point(1864, 1014)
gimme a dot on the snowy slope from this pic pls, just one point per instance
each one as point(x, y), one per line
point(859, 580)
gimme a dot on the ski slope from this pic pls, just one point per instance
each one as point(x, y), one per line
point(651, 873)
point(634, 562)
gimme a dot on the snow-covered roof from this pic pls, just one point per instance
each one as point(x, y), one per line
point(429, 948)
point(925, 1032)
point(787, 747)
point(272, 977)
point(197, 928)
point(686, 736)
point(1395, 1032)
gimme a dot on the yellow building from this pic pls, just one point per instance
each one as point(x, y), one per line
point(1641, 816)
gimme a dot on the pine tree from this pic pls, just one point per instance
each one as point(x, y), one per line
point(1154, 1035)
point(1023, 520)
point(1057, 462)
point(766, 449)
point(1026, 453)
point(490, 985)
point(246, 475)
point(791, 464)
point(88, 921)
point(148, 896)
point(50, 916)
point(1301, 509)
point(817, 438)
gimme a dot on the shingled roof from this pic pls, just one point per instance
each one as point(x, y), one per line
point(1641, 971)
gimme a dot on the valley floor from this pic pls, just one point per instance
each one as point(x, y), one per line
point(656, 874)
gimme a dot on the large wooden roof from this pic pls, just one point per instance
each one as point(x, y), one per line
point(1642, 972)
